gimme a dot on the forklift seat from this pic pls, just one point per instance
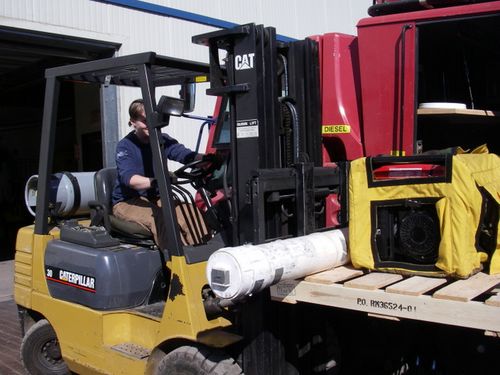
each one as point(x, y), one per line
point(102, 209)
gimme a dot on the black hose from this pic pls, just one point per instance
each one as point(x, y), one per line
point(414, 5)
point(295, 127)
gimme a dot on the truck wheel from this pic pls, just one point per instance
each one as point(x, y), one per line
point(40, 351)
point(191, 360)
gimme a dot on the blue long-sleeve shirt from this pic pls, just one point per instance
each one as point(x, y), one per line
point(135, 158)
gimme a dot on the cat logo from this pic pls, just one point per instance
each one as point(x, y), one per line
point(244, 61)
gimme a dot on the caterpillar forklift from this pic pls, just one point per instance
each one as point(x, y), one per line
point(100, 296)
point(97, 296)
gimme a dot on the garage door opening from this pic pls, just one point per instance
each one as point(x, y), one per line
point(24, 56)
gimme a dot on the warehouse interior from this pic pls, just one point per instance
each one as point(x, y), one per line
point(24, 56)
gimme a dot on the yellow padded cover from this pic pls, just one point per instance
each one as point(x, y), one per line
point(458, 209)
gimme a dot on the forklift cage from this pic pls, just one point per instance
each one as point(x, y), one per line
point(145, 70)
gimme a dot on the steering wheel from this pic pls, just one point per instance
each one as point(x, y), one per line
point(196, 172)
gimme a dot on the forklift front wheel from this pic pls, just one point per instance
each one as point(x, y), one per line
point(191, 360)
point(40, 351)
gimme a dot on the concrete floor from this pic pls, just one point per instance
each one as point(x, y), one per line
point(6, 280)
point(10, 332)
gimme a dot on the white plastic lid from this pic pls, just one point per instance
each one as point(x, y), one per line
point(224, 275)
point(442, 105)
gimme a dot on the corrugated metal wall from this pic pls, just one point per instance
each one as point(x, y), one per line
point(138, 31)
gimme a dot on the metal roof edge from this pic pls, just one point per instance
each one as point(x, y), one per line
point(145, 6)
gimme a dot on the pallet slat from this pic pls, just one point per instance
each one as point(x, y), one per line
point(334, 275)
point(465, 290)
point(493, 300)
point(284, 291)
point(373, 281)
point(415, 286)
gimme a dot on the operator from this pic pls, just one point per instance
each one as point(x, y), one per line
point(135, 195)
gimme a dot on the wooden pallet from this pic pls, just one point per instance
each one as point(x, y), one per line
point(473, 303)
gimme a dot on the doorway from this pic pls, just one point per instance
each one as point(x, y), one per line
point(24, 56)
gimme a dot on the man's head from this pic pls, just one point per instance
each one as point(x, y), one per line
point(138, 119)
point(136, 110)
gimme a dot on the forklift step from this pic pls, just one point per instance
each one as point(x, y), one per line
point(155, 310)
point(132, 350)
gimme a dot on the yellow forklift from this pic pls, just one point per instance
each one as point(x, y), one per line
point(98, 296)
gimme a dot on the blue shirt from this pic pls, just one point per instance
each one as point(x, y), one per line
point(135, 158)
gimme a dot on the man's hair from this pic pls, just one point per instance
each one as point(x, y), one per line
point(135, 109)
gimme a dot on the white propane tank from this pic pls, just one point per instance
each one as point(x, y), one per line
point(234, 272)
point(69, 193)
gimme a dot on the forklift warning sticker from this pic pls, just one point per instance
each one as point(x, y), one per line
point(247, 128)
point(335, 129)
point(69, 278)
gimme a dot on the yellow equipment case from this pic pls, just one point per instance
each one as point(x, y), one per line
point(427, 214)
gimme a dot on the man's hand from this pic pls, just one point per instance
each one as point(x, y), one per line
point(211, 161)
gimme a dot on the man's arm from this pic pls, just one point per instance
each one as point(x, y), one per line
point(178, 152)
point(138, 182)
point(129, 167)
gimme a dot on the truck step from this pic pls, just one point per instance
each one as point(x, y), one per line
point(472, 303)
point(132, 350)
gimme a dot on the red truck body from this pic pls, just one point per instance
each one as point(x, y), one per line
point(370, 83)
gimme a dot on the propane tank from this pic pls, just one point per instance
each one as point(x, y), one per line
point(234, 272)
point(69, 193)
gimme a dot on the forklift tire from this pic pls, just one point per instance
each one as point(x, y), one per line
point(40, 351)
point(193, 360)
point(319, 351)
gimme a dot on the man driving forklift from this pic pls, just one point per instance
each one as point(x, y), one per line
point(135, 194)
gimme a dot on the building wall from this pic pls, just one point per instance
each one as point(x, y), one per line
point(138, 31)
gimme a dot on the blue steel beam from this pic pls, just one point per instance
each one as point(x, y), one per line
point(144, 6)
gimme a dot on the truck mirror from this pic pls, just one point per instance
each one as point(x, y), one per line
point(188, 93)
point(170, 106)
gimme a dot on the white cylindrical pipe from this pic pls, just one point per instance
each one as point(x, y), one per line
point(234, 272)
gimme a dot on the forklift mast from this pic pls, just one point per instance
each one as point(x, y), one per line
point(272, 92)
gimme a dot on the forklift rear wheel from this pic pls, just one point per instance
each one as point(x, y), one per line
point(40, 351)
point(190, 360)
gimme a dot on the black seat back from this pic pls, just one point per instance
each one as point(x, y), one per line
point(104, 183)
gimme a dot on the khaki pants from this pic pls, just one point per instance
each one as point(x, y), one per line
point(148, 214)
